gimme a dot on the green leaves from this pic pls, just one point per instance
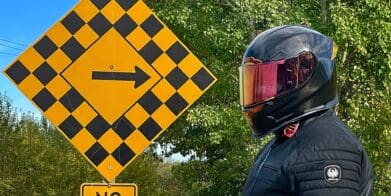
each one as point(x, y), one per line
point(214, 132)
point(363, 31)
point(36, 160)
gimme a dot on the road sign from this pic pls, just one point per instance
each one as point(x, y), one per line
point(101, 189)
point(111, 77)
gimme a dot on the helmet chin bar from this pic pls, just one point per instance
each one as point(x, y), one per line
point(282, 122)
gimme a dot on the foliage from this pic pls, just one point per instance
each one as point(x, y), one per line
point(34, 157)
point(36, 160)
point(152, 176)
point(364, 36)
point(213, 131)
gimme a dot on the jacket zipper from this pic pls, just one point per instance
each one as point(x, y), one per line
point(264, 160)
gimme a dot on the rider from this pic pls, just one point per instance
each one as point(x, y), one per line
point(288, 87)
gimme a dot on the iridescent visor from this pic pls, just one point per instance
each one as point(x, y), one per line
point(260, 82)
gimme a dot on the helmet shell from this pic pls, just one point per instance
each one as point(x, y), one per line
point(315, 95)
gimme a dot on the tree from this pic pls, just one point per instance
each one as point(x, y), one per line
point(363, 32)
point(35, 159)
point(213, 131)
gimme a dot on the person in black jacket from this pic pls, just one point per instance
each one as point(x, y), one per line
point(288, 87)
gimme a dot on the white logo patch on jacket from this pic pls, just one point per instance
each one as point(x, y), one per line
point(332, 173)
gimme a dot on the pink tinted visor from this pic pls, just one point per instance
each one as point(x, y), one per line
point(260, 82)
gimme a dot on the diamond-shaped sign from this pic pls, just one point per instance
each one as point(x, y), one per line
point(111, 77)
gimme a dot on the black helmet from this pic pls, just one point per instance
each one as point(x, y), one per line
point(287, 74)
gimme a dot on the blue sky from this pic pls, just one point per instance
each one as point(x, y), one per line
point(24, 21)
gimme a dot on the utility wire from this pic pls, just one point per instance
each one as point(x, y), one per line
point(11, 47)
point(8, 53)
point(16, 43)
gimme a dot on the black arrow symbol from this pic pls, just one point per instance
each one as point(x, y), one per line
point(139, 76)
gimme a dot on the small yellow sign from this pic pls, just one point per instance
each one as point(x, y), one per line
point(111, 77)
point(101, 189)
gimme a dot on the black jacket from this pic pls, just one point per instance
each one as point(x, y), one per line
point(324, 157)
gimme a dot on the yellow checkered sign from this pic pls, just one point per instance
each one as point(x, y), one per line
point(111, 77)
point(101, 189)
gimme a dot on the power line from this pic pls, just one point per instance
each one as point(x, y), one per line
point(8, 53)
point(16, 43)
point(11, 47)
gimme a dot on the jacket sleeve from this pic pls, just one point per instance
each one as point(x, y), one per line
point(366, 183)
point(331, 172)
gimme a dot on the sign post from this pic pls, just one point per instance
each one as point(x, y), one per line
point(111, 77)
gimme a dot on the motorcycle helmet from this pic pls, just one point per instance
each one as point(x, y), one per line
point(287, 74)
